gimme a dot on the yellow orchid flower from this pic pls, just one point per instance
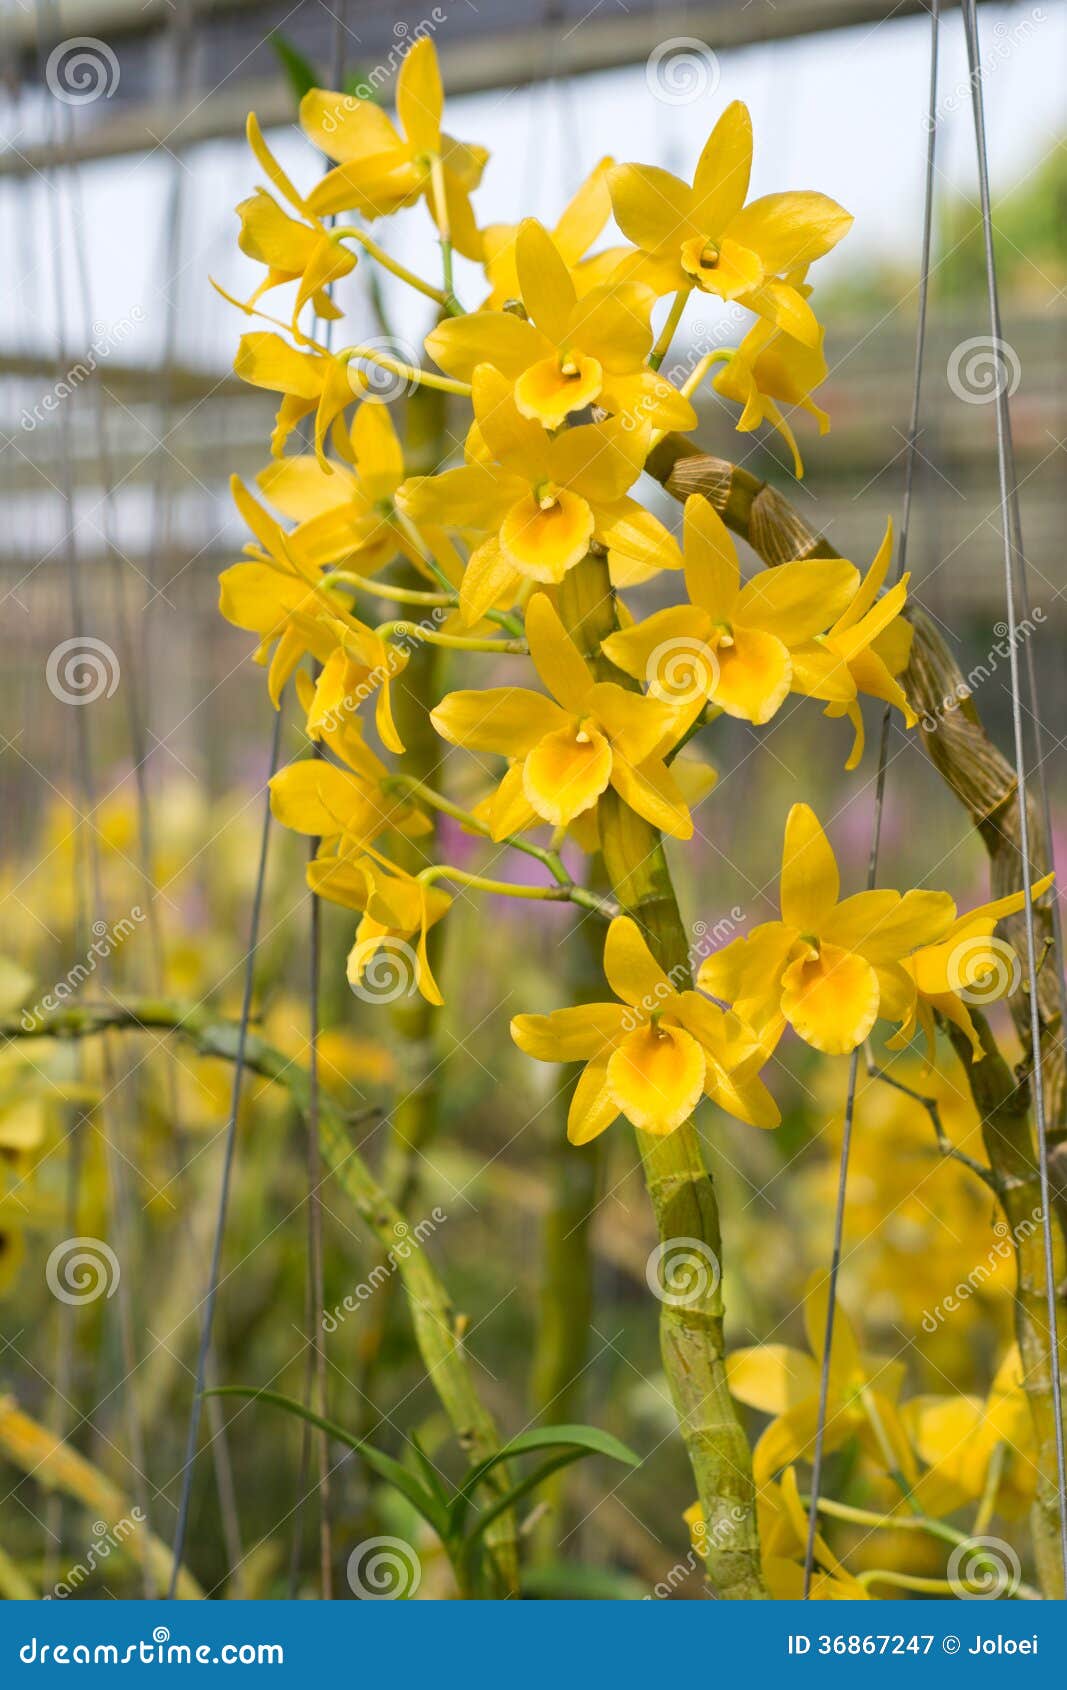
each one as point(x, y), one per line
point(572, 746)
point(567, 352)
point(863, 653)
point(361, 664)
point(966, 966)
point(582, 220)
point(705, 236)
point(285, 601)
point(771, 369)
point(312, 380)
point(347, 807)
point(293, 251)
point(270, 593)
point(959, 1436)
point(651, 1056)
point(395, 906)
point(861, 1402)
point(540, 502)
point(830, 966)
point(731, 644)
point(347, 513)
point(380, 168)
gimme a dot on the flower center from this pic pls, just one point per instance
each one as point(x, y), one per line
point(709, 256)
point(547, 495)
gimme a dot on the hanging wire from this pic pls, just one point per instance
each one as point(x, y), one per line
point(1014, 577)
point(316, 1380)
point(211, 1298)
point(879, 792)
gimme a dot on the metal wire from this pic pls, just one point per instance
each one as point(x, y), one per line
point(211, 1297)
point(1014, 569)
point(879, 795)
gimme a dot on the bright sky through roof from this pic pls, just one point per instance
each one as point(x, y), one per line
point(842, 112)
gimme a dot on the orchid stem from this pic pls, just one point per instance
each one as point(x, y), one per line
point(571, 893)
point(440, 211)
point(395, 268)
point(382, 590)
point(420, 377)
point(674, 317)
point(437, 800)
point(889, 1522)
point(889, 1454)
point(453, 642)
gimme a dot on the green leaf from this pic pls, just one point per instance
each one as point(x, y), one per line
point(393, 1472)
point(583, 1440)
point(356, 84)
point(428, 1471)
point(522, 1488)
point(300, 73)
